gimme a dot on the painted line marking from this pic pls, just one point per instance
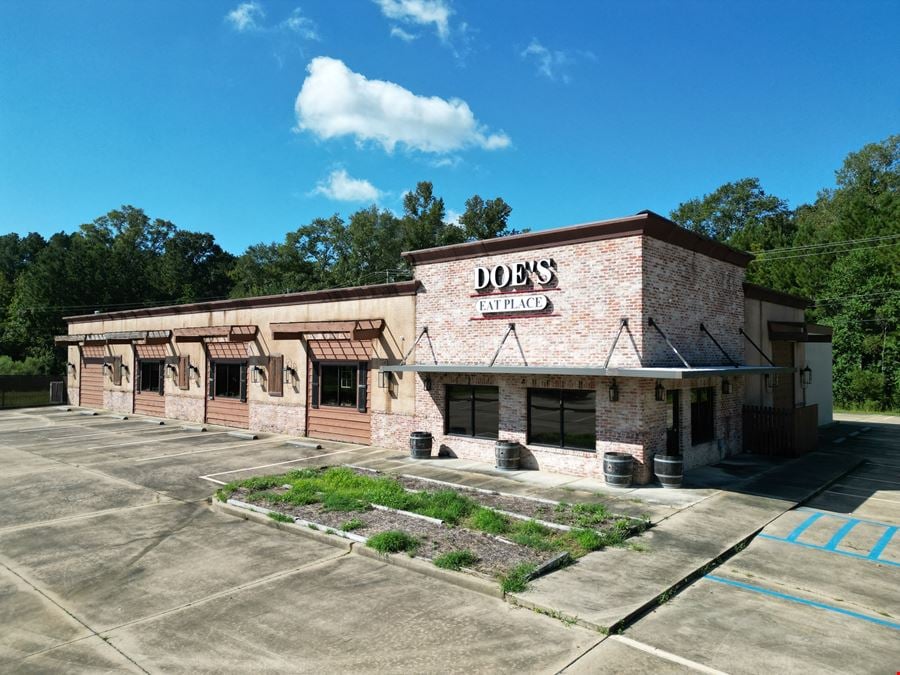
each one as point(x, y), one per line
point(840, 534)
point(853, 433)
point(882, 543)
point(802, 527)
point(668, 656)
point(815, 547)
point(803, 601)
point(290, 461)
point(200, 452)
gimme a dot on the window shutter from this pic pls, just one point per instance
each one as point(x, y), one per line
point(362, 386)
point(184, 372)
point(137, 376)
point(212, 378)
point(314, 389)
point(162, 378)
point(276, 375)
point(117, 370)
point(243, 382)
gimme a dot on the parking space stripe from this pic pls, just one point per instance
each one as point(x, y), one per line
point(882, 543)
point(831, 514)
point(849, 554)
point(802, 527)
point(840, 534)
point(803, 601)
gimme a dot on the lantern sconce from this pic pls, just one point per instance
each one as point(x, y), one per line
point(726, 385)
point(660, 391)
point(171, 369)
point(194, 373)
point(614, 391)
point(385, 380)
point(428, 383)
point(254, 374)
point(805, 377)
point(71, 367)
point(108, 367)
point(289, 374)
point(771, 382)
point(123, 368)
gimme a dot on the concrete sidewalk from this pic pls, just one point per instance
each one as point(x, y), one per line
point(607, 589)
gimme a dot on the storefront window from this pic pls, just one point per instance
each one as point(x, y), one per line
point(150, 376)
point(472, 411)
point(338, 385)
point(230, 378)
point(564, 418)
point(702, 415)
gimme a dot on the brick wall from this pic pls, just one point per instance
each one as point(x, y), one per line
point(281, 418)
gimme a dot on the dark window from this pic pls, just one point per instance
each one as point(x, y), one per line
point(228, 379)
point(564, 418)
point(337, 385)
point(702, 415)
point(151, 375)
point(472, 411)
point(673, 442)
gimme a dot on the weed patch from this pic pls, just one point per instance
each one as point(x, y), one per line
point(393, 541)
point(516, 580)
point(352, 524)
point(280, 517)
point(456, 560)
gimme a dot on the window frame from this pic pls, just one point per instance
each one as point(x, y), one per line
point(243, 372)
point(703, 430)
point(354, 387)
point(160, 377)
point(562, 420)
point(471, 400)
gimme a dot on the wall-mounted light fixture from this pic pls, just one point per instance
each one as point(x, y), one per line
point(771, 381)
point(385, 379)
point(71, 367)
point(805, 377)
point(289, 374)
point(254, 374)
point(194, 373)
point(107, 368)
point(614, 391)
point(171, 370)
point(660, 391)
point(726, 385)
point(428, 383)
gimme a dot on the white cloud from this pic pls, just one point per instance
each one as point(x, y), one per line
point(451, 217)
point(334, 101)
point(401, 34)
point(553, 64)
point(421, 12)
point(301, 25)
point(245, 16)
point(341, 187)
point(450, 162)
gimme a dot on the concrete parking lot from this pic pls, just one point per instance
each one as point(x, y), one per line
point(111, 560)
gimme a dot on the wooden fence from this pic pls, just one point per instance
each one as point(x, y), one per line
point(25, 391)
point(780, 432)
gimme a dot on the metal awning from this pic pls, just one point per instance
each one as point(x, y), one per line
point(362, 329)
point(798, 331)
point(233, 333)
point(660, 373)
point(123, 337)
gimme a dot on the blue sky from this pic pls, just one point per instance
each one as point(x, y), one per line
point(570, 111)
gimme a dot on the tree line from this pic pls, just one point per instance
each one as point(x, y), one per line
point(842, 251)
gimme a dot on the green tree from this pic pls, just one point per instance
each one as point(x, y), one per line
point(485, 219)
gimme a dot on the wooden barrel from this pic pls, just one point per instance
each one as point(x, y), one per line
point(617, 467)
point(508, 455)
point(420, 444)
point(669, 469)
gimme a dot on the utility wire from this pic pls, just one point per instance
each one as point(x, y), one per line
point(831, 243)
point(835, 252)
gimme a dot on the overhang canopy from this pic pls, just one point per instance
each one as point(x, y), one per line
point(124, 337)
point(363, 329)
point(797, 331)
point(661, 373)
point(233, 333)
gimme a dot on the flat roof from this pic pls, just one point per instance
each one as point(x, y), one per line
point(656, 373)
point(305, 297)
point(645, 223)
point(757, 292)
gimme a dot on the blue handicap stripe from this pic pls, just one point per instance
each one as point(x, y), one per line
point(800, 529)
point(840, 534)
point(882, 543)
point(816, 547)
point(803, 601)
point(842, 516)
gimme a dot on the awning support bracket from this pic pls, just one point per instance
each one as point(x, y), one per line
point(415, 344)
point(651, 322)
point(622, 326)
point(716, 343)
point(511, 329)
point(756, 347)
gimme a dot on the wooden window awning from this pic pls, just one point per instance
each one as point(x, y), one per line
point(362, 329)
point(116, 337)
point(68, 339)
point(798, 331)
point(232, 333)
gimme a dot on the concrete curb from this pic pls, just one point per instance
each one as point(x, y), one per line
point(305, 444)
point(244, 435)
point(426, 568)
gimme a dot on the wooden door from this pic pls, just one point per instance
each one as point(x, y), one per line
point(783, 394)
point(91, 384)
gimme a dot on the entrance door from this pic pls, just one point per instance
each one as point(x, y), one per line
point(673, 442)
point(783, 394)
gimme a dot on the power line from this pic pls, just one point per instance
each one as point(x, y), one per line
point(846, 250)
point(831, 243)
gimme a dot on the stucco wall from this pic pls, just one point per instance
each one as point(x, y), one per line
point(757, 314)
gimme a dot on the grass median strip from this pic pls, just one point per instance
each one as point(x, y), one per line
point(473, 535)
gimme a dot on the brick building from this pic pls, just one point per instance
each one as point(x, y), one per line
point(623, 335)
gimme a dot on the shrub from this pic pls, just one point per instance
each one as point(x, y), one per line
point(352, 524)
point(516, 580)
point(456, 560)
point(488, 520)
point(393, 541)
